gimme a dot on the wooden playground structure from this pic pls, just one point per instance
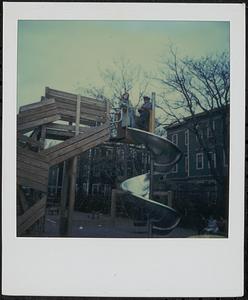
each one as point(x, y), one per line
point(78, 123)
point(75, 124)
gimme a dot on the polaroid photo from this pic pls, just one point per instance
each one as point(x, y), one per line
point(123, 149)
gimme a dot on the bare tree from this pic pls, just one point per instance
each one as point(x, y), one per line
point(121, 77)
point(194, 86)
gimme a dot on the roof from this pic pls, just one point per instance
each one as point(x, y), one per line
point(201, 115)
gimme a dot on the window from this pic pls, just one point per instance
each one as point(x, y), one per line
point(95, 188)
point(106, 189)
point(175, 168)
point(109, 153)
point(186, 164)
point(199, 161)
point(96, 171)
point(213, 159)
point(186, 137)
point(174, 138)
point(85, 187)
point(200, 135)
point(210, 128)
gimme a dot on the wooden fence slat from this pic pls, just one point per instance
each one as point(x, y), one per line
point(73, 140)
point(36, 123)
point(36, 105)
point(38, 156)
point(79, 143)
point(36, 163)
point(38, 205)
point(51, 93)
point(37, 110)
point(70, 113)
point(36, 115)
point(31, 169)
point(87, 109)
point(23, 227)
point(32, 176)
point(58, 135)
point(31, 216)
point(79, 150)
point(82, 120)
point(64, 127)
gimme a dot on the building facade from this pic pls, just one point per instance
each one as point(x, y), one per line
point(200, 179)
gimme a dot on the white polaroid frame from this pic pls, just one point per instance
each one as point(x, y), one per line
point(124, 267)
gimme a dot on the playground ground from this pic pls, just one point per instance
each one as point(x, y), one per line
point(91, 225)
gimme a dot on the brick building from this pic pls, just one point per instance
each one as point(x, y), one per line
point(200, 179)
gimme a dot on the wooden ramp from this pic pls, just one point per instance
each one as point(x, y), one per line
point(83, 125)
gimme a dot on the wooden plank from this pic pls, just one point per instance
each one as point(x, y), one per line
point(58, 135)
point(89, 109)
point(28, 174)
point(38, 205)
point(52, 110)
point(70, 113)
point(23, 227)
point(77, 151)
point(151, 124)
point(65, 127)
point(52, 93)
point(38, 110)
point(31, 216)
point(29, 183)
point(36, 123)
point(75, 139)
point(69, 145)
point(36, 105)
point(83, 121)
point(37, 156)
point(36, 163)
point(31, 169)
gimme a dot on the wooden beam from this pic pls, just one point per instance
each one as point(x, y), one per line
point(31, 216)
point(31, 125)
point(51, 93)
point(35, 105)
point(152, 115)
point(51, 111)
point(80, 148)
point(24, 166)
point(75, 142)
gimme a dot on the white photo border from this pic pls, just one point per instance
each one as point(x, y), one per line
point(124, 267)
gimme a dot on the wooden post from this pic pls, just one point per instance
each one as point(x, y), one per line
point(151, 176)
point(152, 114)
point(73, 173)
point(64, 194)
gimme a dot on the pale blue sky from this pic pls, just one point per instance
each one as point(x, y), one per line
point(64, 54)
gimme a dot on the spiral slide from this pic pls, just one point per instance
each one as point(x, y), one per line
point(165, 155)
